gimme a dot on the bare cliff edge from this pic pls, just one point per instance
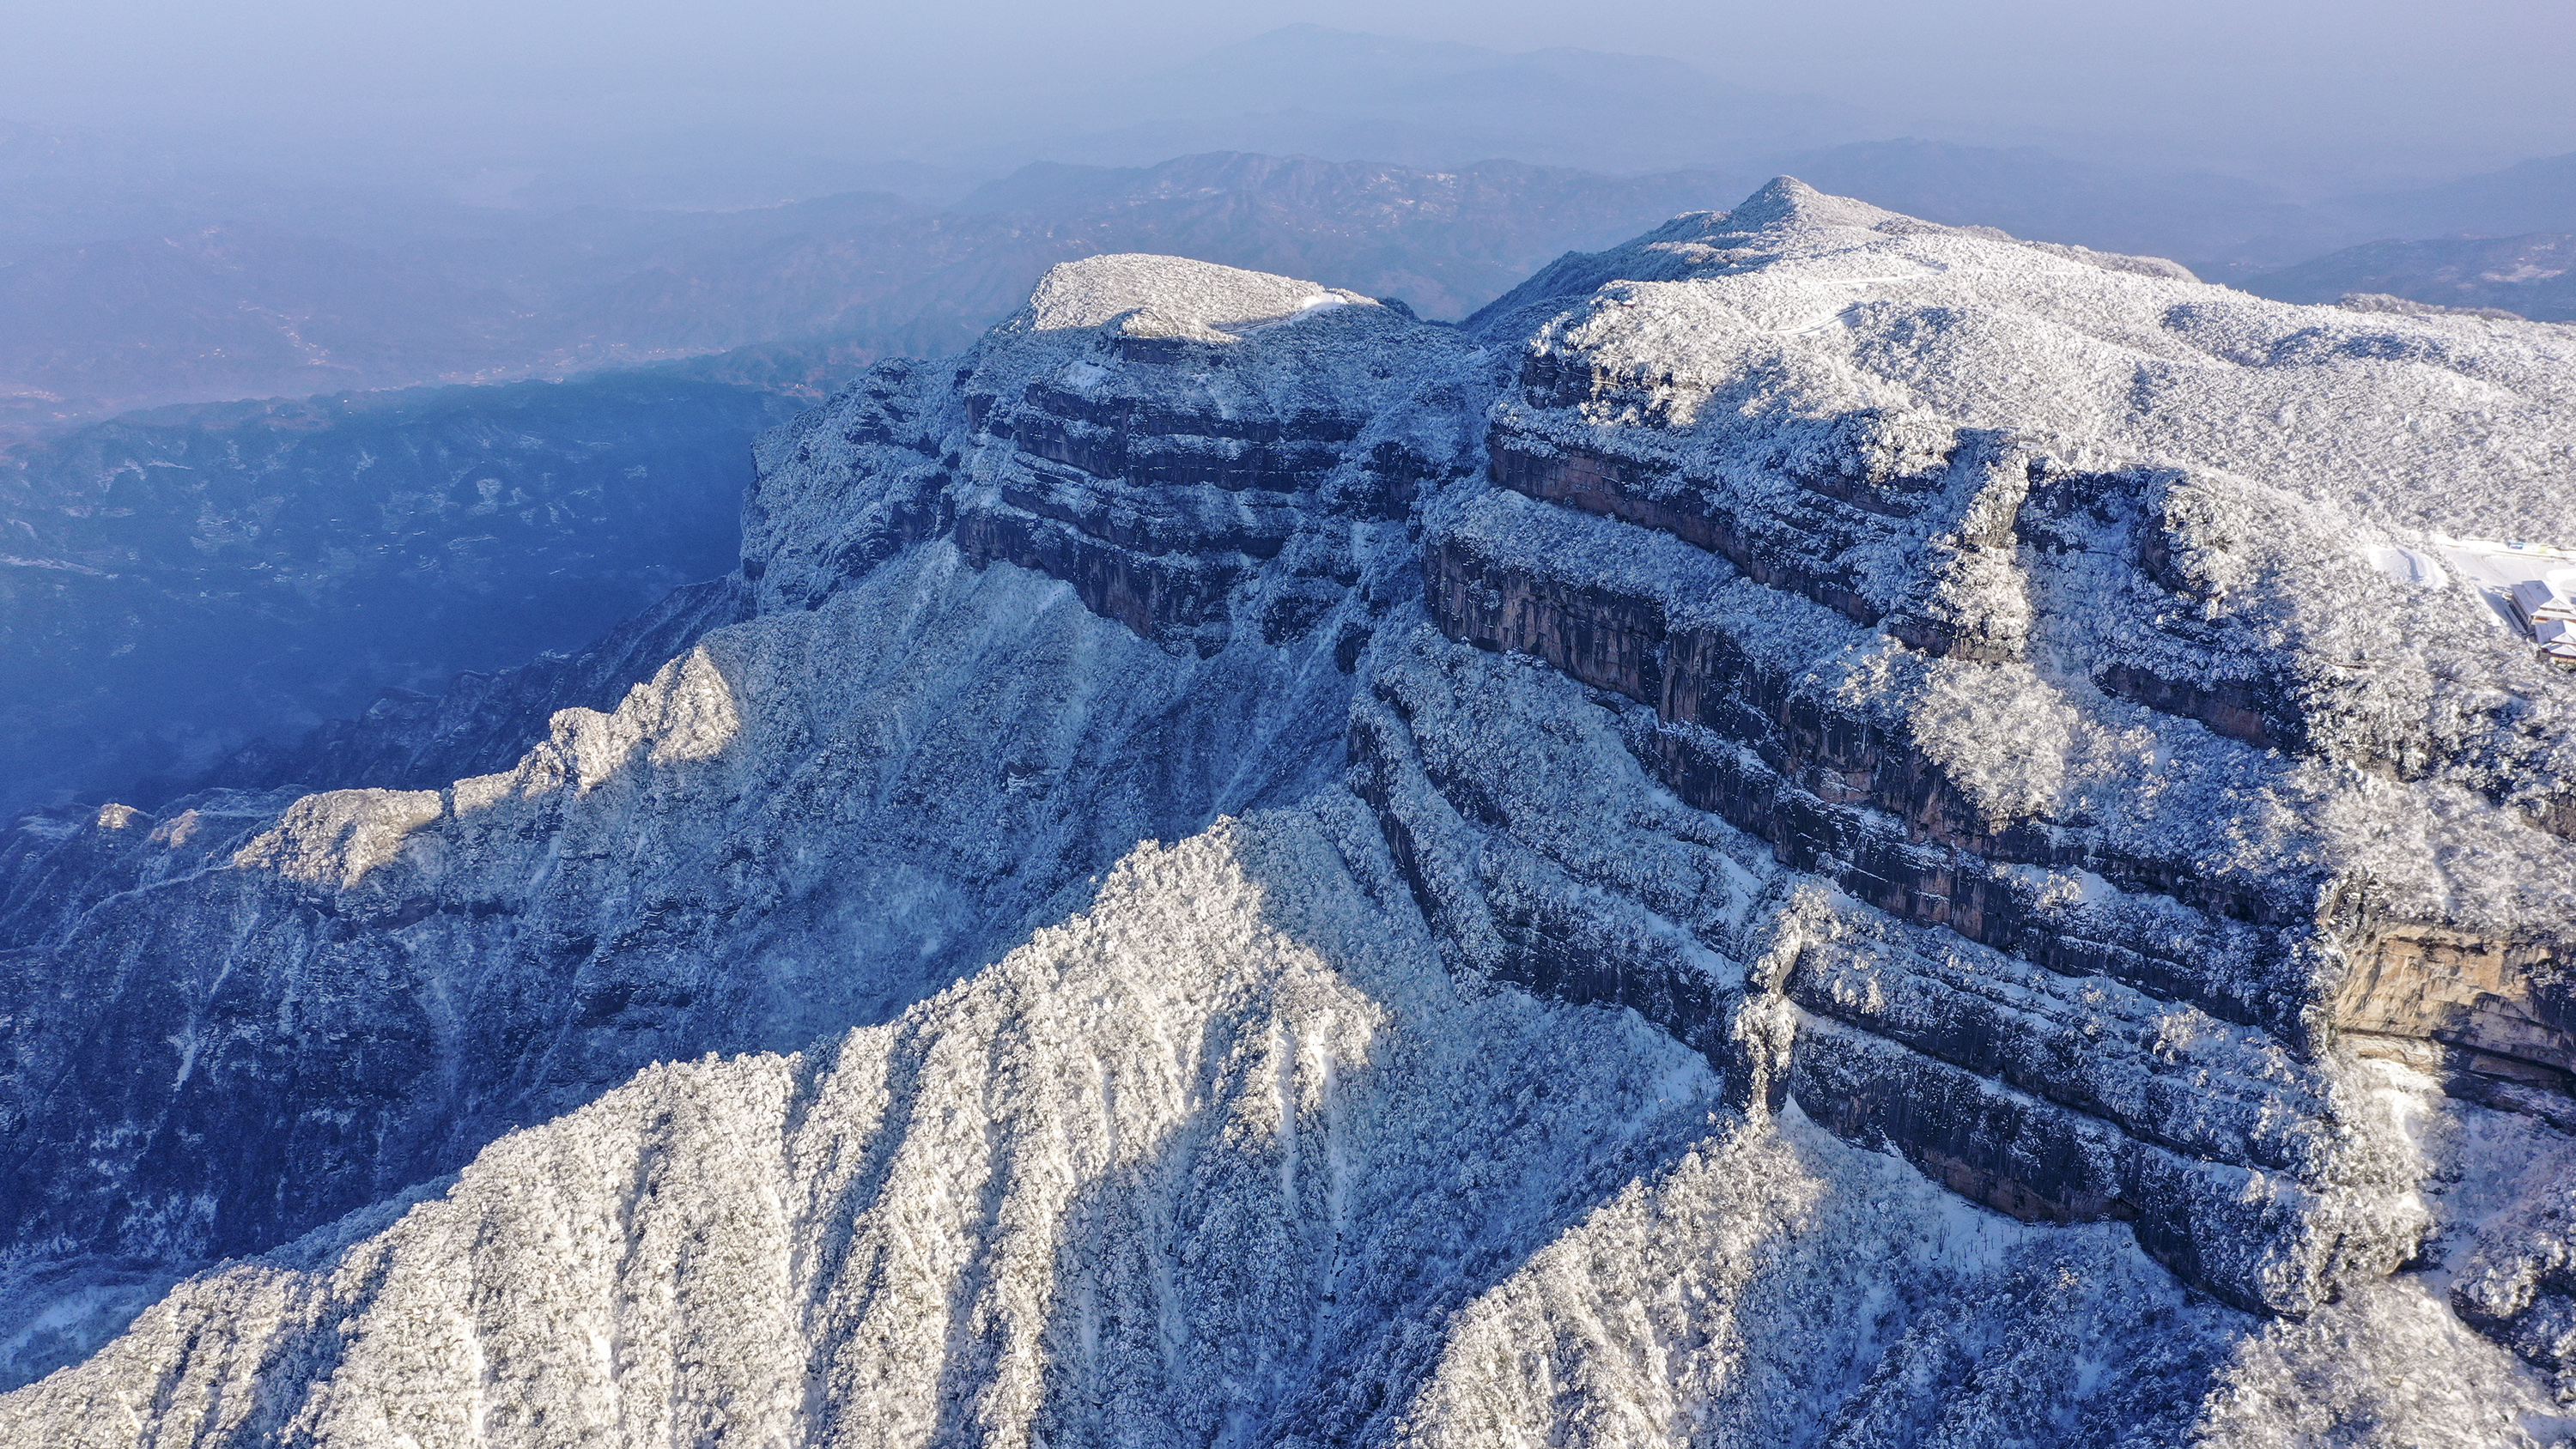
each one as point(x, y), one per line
point(1939, 683)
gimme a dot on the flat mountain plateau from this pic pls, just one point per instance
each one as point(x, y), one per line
point(1813, 829)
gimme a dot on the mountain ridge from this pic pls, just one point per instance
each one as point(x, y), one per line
point(279, 295)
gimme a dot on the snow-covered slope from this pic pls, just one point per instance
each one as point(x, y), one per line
point(1225, 1158)
point(1839, 843)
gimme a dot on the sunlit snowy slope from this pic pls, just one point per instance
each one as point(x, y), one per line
point(1816, 830)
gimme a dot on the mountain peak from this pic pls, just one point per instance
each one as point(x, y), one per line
point(1784, 216)
point(1787, 201)
point(1094, 290)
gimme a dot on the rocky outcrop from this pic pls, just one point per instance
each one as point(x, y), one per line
point(1169, 469)
point(1747, 727)
point(2055, 1097)
point(2495, 1007)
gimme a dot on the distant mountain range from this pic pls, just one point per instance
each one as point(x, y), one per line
point(227, 313)
point(2533, 196)
point(259, 309)
point(1343, 95)
point(2531, 276)
point(110, 325)
point(1434, 172)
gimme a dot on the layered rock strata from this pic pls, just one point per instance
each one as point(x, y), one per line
point(1893, 614)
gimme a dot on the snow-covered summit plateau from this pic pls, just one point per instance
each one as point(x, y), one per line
point(1817, 829)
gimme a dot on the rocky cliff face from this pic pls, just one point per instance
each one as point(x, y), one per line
point(1844, 847)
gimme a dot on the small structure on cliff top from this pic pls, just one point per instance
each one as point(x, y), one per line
point(2545, 610)
point(2530, 586)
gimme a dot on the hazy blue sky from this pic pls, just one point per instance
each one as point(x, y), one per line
point(2369, 86)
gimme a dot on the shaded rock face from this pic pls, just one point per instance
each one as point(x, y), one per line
point(1902, 666)
point(1187, 482)
point(1167, 471)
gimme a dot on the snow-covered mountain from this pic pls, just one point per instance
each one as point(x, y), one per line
point(1815, 829)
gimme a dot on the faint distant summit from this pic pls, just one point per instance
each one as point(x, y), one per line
point(1347, 95)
